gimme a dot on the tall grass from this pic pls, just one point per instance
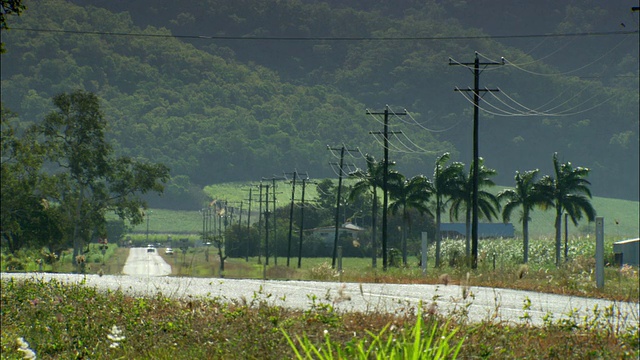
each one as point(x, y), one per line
point(72, 321)
point(416, 344)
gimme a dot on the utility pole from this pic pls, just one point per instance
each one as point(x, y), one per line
point(385, 178)
point(273, 214)
point(260, 224)
point(266, 225)
point(275, 224)
point(246, 255)
point(476, 157)
point(304, 183)
point(337, 222)
point(293, 191)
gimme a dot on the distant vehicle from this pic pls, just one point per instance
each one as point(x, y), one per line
point(168, 251)
point(150, 249)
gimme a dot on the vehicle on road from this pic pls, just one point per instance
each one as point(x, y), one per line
point(151, 249)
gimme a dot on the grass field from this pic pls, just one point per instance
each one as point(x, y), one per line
point(60, 321)
point(621, 216)
point(73, 321)
point(51, 320)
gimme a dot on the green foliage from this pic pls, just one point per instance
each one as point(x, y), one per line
point(57, 320)
point(569, 192)
point(239, 110)
point(9, 7)
point(89, 181)
point(416, 343)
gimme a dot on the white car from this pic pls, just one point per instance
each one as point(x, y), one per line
point(168, 251)
point(150, 249)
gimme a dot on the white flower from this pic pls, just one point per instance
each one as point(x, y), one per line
point(23, 346)
point(115, 336)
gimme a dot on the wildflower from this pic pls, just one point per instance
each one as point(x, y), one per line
point(23, 347)
point(115, 336)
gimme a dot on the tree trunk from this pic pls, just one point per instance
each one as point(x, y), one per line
point(77, 243)
point(467, 234)
point(438, 235)
point(525, 235)
point(404, 236)
point(558, 235)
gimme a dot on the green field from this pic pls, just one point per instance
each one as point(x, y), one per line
point(621, 216)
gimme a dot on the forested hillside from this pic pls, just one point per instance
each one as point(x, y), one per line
point(226, 90)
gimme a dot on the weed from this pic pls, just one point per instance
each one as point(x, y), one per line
point(417, 343)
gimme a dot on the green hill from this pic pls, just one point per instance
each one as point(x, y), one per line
point(621, 216)
point(227, 91)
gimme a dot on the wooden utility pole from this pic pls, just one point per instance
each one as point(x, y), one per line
point(260, 224)
point(246, 256)
point(476, 157)
point(266, 225)
point(293, 192)
point(337, 218)
point(304, 183)
point(385, 178)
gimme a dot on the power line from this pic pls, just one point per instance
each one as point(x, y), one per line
point(332, 38)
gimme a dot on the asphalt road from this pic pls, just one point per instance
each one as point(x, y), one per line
point(481, 303)
point(143, 263)
point(474, 304)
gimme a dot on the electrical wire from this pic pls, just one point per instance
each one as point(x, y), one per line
point(507, 62)
point(330, 38)
point(431, 130)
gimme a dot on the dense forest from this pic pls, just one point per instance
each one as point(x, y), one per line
point(228, 90)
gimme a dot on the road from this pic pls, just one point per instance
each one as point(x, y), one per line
point(143, 263)
point(473, 303)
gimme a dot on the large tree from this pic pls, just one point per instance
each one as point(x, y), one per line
point(446, 181)
point(25, 214)
point(462, 199)
point(90, 180)
point(406, 194)
point(9, 7)
point(526, 194)
point(569, 190)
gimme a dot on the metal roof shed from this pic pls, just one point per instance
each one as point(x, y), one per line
point(629, 250)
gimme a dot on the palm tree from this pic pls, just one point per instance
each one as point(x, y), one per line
point(408, 194)
point(488, 203)
point(569, 191)
point(526, 194)
point(369, 181)
point(445, 183)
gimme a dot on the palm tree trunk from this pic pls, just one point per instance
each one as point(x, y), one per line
point(404, 236)
point(467, 247)
point(438, 235)
point(525, 235)
point(558, 235)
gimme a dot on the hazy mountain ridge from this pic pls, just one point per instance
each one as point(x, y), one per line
point(219, 110)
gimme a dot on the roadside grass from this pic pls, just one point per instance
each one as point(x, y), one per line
point(73, 321)
point(111, 262)
point(499, 266)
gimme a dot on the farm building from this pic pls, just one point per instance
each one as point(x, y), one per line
point(626, 251)
point(328, 233)
point(485, 230)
